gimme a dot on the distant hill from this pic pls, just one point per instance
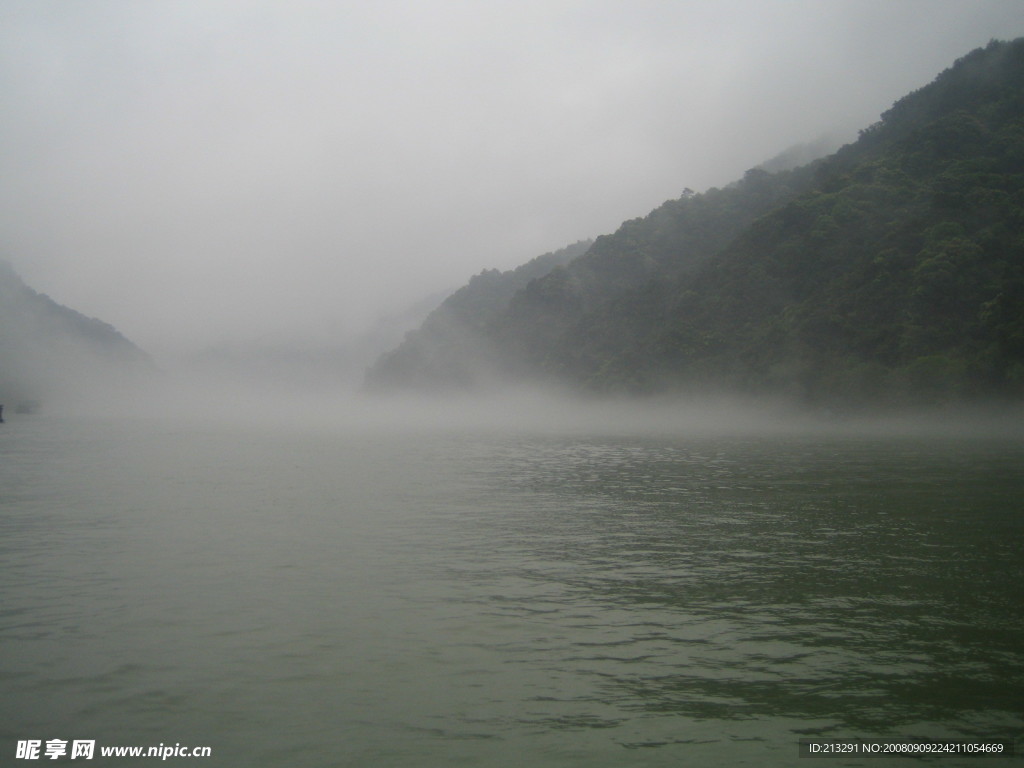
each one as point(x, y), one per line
point(452, 347)
point(891, 271)
point(50, 352)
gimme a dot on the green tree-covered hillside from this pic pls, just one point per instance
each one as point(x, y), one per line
point(891, 271)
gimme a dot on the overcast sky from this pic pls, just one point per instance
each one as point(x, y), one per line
point(202, 171)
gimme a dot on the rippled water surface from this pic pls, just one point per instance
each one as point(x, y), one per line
point(444, 598)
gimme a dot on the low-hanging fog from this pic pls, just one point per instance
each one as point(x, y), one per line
point(206, 174)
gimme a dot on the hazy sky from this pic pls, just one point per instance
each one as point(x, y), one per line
point(200, 171)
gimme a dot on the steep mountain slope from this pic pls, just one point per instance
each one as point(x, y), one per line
point(899, 277)
point(49, 352)
point(891, 271)
point(487, 331)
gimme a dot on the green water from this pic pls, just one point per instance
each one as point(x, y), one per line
point(440, 597)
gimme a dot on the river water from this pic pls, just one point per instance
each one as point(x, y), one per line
point(505, 597)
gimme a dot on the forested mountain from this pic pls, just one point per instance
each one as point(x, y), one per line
point(890, 271)
point(48, 351)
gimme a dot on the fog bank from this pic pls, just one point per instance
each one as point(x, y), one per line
point(267, 405)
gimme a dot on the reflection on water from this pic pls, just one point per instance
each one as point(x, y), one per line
point(485, 599)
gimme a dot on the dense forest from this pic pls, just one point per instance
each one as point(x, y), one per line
point(891, 271)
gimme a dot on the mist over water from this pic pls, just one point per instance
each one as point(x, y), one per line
point(330, 404)
point(513, 580)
